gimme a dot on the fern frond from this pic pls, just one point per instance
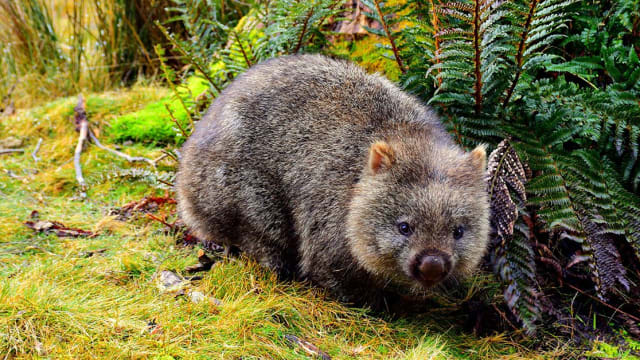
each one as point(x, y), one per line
point(605, 262)
point(538, 29)
point(512, 256)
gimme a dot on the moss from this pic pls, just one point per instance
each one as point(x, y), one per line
point(153, 123)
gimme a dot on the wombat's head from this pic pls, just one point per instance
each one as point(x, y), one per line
point(419, 213)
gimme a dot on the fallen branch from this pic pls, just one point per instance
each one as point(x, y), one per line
point(9, 151)
point(82, 125)
point(129, 158)
point(35, 151)
point(86, 134)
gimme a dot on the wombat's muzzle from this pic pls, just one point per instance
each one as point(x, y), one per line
point(430, 267)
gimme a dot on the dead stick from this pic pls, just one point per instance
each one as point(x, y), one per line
point(129, 158)
point(165, 182)
point(504, 317)
point(83, 124)
point(35, 151)
point(9, 151)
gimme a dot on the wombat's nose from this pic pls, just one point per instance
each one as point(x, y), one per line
point(431, 268)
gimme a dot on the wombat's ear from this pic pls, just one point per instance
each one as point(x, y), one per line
point(380, 156)
point(479, 157)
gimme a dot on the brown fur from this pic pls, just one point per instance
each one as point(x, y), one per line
point(308, 164)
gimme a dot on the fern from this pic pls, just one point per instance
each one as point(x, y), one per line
point(538, 30)
point(511, 253)
point(493, 69)
point(384, 14)
point(296, 25)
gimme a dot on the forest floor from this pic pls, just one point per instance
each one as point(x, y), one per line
point(102, 295)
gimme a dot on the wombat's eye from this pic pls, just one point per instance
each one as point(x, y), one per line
point(458, 232)
point(404, 229)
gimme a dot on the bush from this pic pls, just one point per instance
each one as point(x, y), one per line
point(560, 80)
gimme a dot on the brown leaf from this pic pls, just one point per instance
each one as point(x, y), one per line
point(148, 204)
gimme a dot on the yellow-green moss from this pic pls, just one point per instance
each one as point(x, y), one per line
point(153, 123)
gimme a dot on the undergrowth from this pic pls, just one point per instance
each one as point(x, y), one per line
point(58, 301)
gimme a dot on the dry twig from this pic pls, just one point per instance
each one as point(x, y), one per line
point(129, 158)
point(35, 151)
point(86, 134)
point(9, 151)
point(82, 125)
point(175, 121)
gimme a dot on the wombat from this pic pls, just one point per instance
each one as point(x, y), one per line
point(321, 171)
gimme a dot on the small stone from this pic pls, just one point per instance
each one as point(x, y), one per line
point(11, 142)
point(196, 297)
point(215, 301)
point(169, 282)
point(127, 143)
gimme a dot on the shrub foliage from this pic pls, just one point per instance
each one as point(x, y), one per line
point(558, 78)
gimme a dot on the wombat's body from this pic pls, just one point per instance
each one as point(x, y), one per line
point(315, 168)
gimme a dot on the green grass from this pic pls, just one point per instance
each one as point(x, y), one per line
point(55, 302)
